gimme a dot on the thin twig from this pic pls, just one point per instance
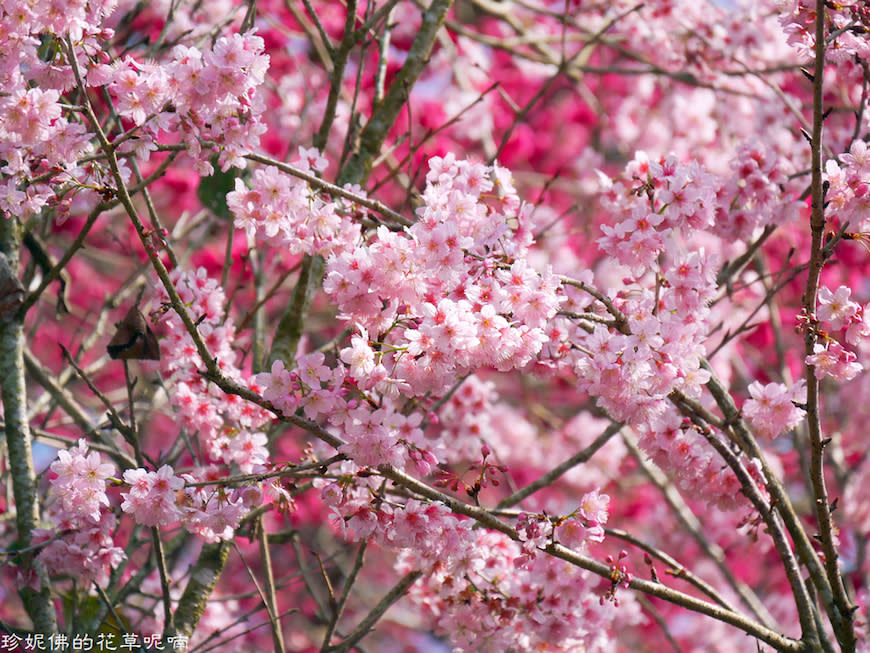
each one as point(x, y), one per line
point(332, 189)
point(547, 479)
point(841, 612)
point(694, 527)
point(345, 595)
point(365, 626)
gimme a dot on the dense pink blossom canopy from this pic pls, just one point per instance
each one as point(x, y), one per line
point(522, 325)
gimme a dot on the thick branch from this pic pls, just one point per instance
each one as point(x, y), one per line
point(384, 114)
point(18, 437)
point(203, 578)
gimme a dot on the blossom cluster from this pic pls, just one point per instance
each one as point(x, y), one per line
point(836, 311)
point(36, 137)
point(451, 293)
point(431, 303)
point(400, 349)
point(631, 367)
point(206, 96)
point(195, 500)
point(656, 338)
point(848, 193)
point(489, 592)
point(151, 497)
point(284, 211)
point(755, 194)
point(847, 44)
point(846, 53)
point(774, 408)
point(81, 542)
point(227, 426)
point(484, 603)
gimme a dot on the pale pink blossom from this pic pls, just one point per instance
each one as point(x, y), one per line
point(359, 356)
point(834, 361)
point(835, 308)
point(772, 408)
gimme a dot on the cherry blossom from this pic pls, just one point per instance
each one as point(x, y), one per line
point(774, 408)
point(489, 305)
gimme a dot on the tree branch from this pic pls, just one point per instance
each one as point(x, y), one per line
point(18, 438)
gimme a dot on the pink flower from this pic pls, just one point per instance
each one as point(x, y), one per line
point(81, 482)
point(772, 409)
point(594, 507)
point(359, 356)
point(836, 308)
point(574, 534)
point(835, 361)
point(151, 498)
point(248, 450)
point(858, 156)
point(534, 531)
point(277, 383)
point(312, 372)
point(312, 159)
